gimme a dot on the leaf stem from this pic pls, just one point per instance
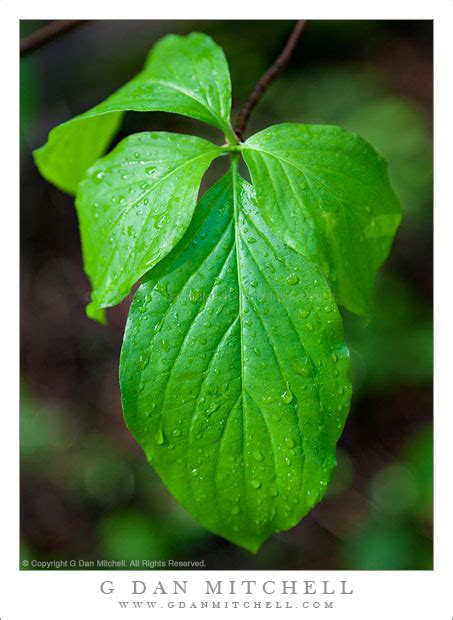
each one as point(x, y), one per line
point(279, 64)
point(230, 135)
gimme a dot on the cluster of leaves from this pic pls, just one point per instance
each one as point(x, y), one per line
point(234, 371)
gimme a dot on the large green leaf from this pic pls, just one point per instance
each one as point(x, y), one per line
point(234, 372)
point(186, 75)
point(134, 205)
point(326, 193)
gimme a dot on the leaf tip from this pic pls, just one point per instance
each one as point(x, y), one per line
point(96, 313)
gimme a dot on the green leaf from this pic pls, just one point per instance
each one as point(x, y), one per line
point(189, 75)
point(234, 372)
point(186, 75)
point(134, 205)
point(326, 193)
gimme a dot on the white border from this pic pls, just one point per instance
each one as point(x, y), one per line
point(391, 594)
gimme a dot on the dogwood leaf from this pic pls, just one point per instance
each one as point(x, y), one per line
point(134, 205)
point(234, 371)
point(187, 75)
point(326, 193)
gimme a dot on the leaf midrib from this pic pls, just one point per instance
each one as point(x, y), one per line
point(234, 177)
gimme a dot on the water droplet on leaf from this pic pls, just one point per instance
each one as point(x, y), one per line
point(292, 279)
point(287, 396)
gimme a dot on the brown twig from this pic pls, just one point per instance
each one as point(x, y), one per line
point(47, 33)
point(279, 64)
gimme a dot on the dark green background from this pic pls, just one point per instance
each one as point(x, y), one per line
point(87, 491)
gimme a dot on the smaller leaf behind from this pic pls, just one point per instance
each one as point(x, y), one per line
point(326, 193)
point(234, 372)
point(186, 75)
point(133, 207)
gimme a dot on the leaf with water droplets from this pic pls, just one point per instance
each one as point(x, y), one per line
point(327, 194)
point(186, 75)
point(134, 205)
point(253, 436)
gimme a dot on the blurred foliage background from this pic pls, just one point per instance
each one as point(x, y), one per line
point(87, 491)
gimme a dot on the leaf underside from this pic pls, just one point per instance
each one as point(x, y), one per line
point(234, 372)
